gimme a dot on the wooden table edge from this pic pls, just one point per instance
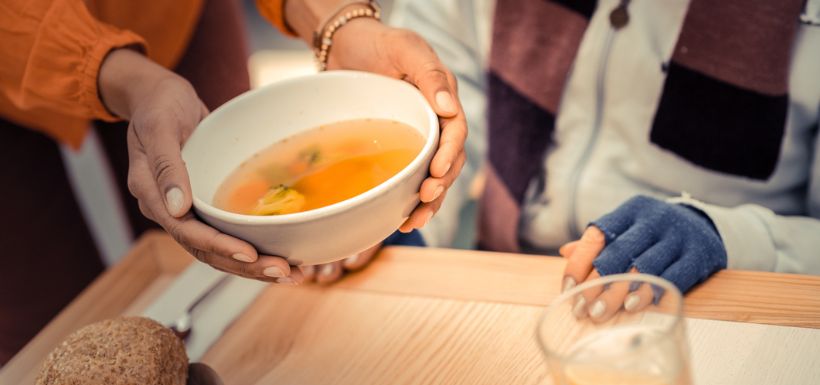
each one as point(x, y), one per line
point(791, 300)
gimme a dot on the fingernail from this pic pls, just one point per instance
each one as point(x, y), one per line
point(351, 260)
point(569, 283)
point(327, 270)
point(437, 193)
point(273, 272)
point(242, 258)
point(580, 306)
point(598, 309)
point(631, 302)
point(286, 281)
point(445, 102)
point(173, 201)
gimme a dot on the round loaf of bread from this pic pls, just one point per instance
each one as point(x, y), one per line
point(121, 351)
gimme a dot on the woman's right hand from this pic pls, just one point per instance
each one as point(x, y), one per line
point(365, 44)
point(163, 110)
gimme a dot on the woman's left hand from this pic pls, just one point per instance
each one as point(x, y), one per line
point(368, 45)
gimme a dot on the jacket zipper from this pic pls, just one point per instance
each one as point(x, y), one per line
point(575, 177)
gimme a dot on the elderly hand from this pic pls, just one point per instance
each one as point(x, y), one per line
point(163, 110)
point(648, 236)
point(368, 45)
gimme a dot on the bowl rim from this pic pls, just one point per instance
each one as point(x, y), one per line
point(430, 144)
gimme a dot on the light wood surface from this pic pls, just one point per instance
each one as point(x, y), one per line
point(415, 316)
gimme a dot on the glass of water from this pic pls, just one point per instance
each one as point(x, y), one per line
point(585, 345)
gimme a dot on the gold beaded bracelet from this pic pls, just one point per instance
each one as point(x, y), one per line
point(323, 37)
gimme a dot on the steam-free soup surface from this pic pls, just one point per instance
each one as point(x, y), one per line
point(319, 167)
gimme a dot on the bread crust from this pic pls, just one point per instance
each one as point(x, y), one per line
point(120, 351)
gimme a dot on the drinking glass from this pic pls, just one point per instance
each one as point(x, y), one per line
point(643, 345)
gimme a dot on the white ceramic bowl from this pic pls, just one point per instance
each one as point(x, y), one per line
point(259, 118)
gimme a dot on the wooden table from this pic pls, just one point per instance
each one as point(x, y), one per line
point(414, 316)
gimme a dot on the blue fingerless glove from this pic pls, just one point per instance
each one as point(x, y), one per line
point(676, 242)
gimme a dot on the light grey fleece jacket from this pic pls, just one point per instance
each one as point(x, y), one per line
point(601, 156)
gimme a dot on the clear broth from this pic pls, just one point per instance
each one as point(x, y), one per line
point(614, 356)
point(319, 167)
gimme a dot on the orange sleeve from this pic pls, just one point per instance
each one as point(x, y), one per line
point(52, 51)
point(274, 12)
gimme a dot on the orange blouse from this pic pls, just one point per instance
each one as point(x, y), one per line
point(52, 50)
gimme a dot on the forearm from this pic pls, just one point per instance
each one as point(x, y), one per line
point(52, 53)
point(125, 77)
point(303, 17)
point(756, 238)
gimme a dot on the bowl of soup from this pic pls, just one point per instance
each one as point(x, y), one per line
point(315, 168)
